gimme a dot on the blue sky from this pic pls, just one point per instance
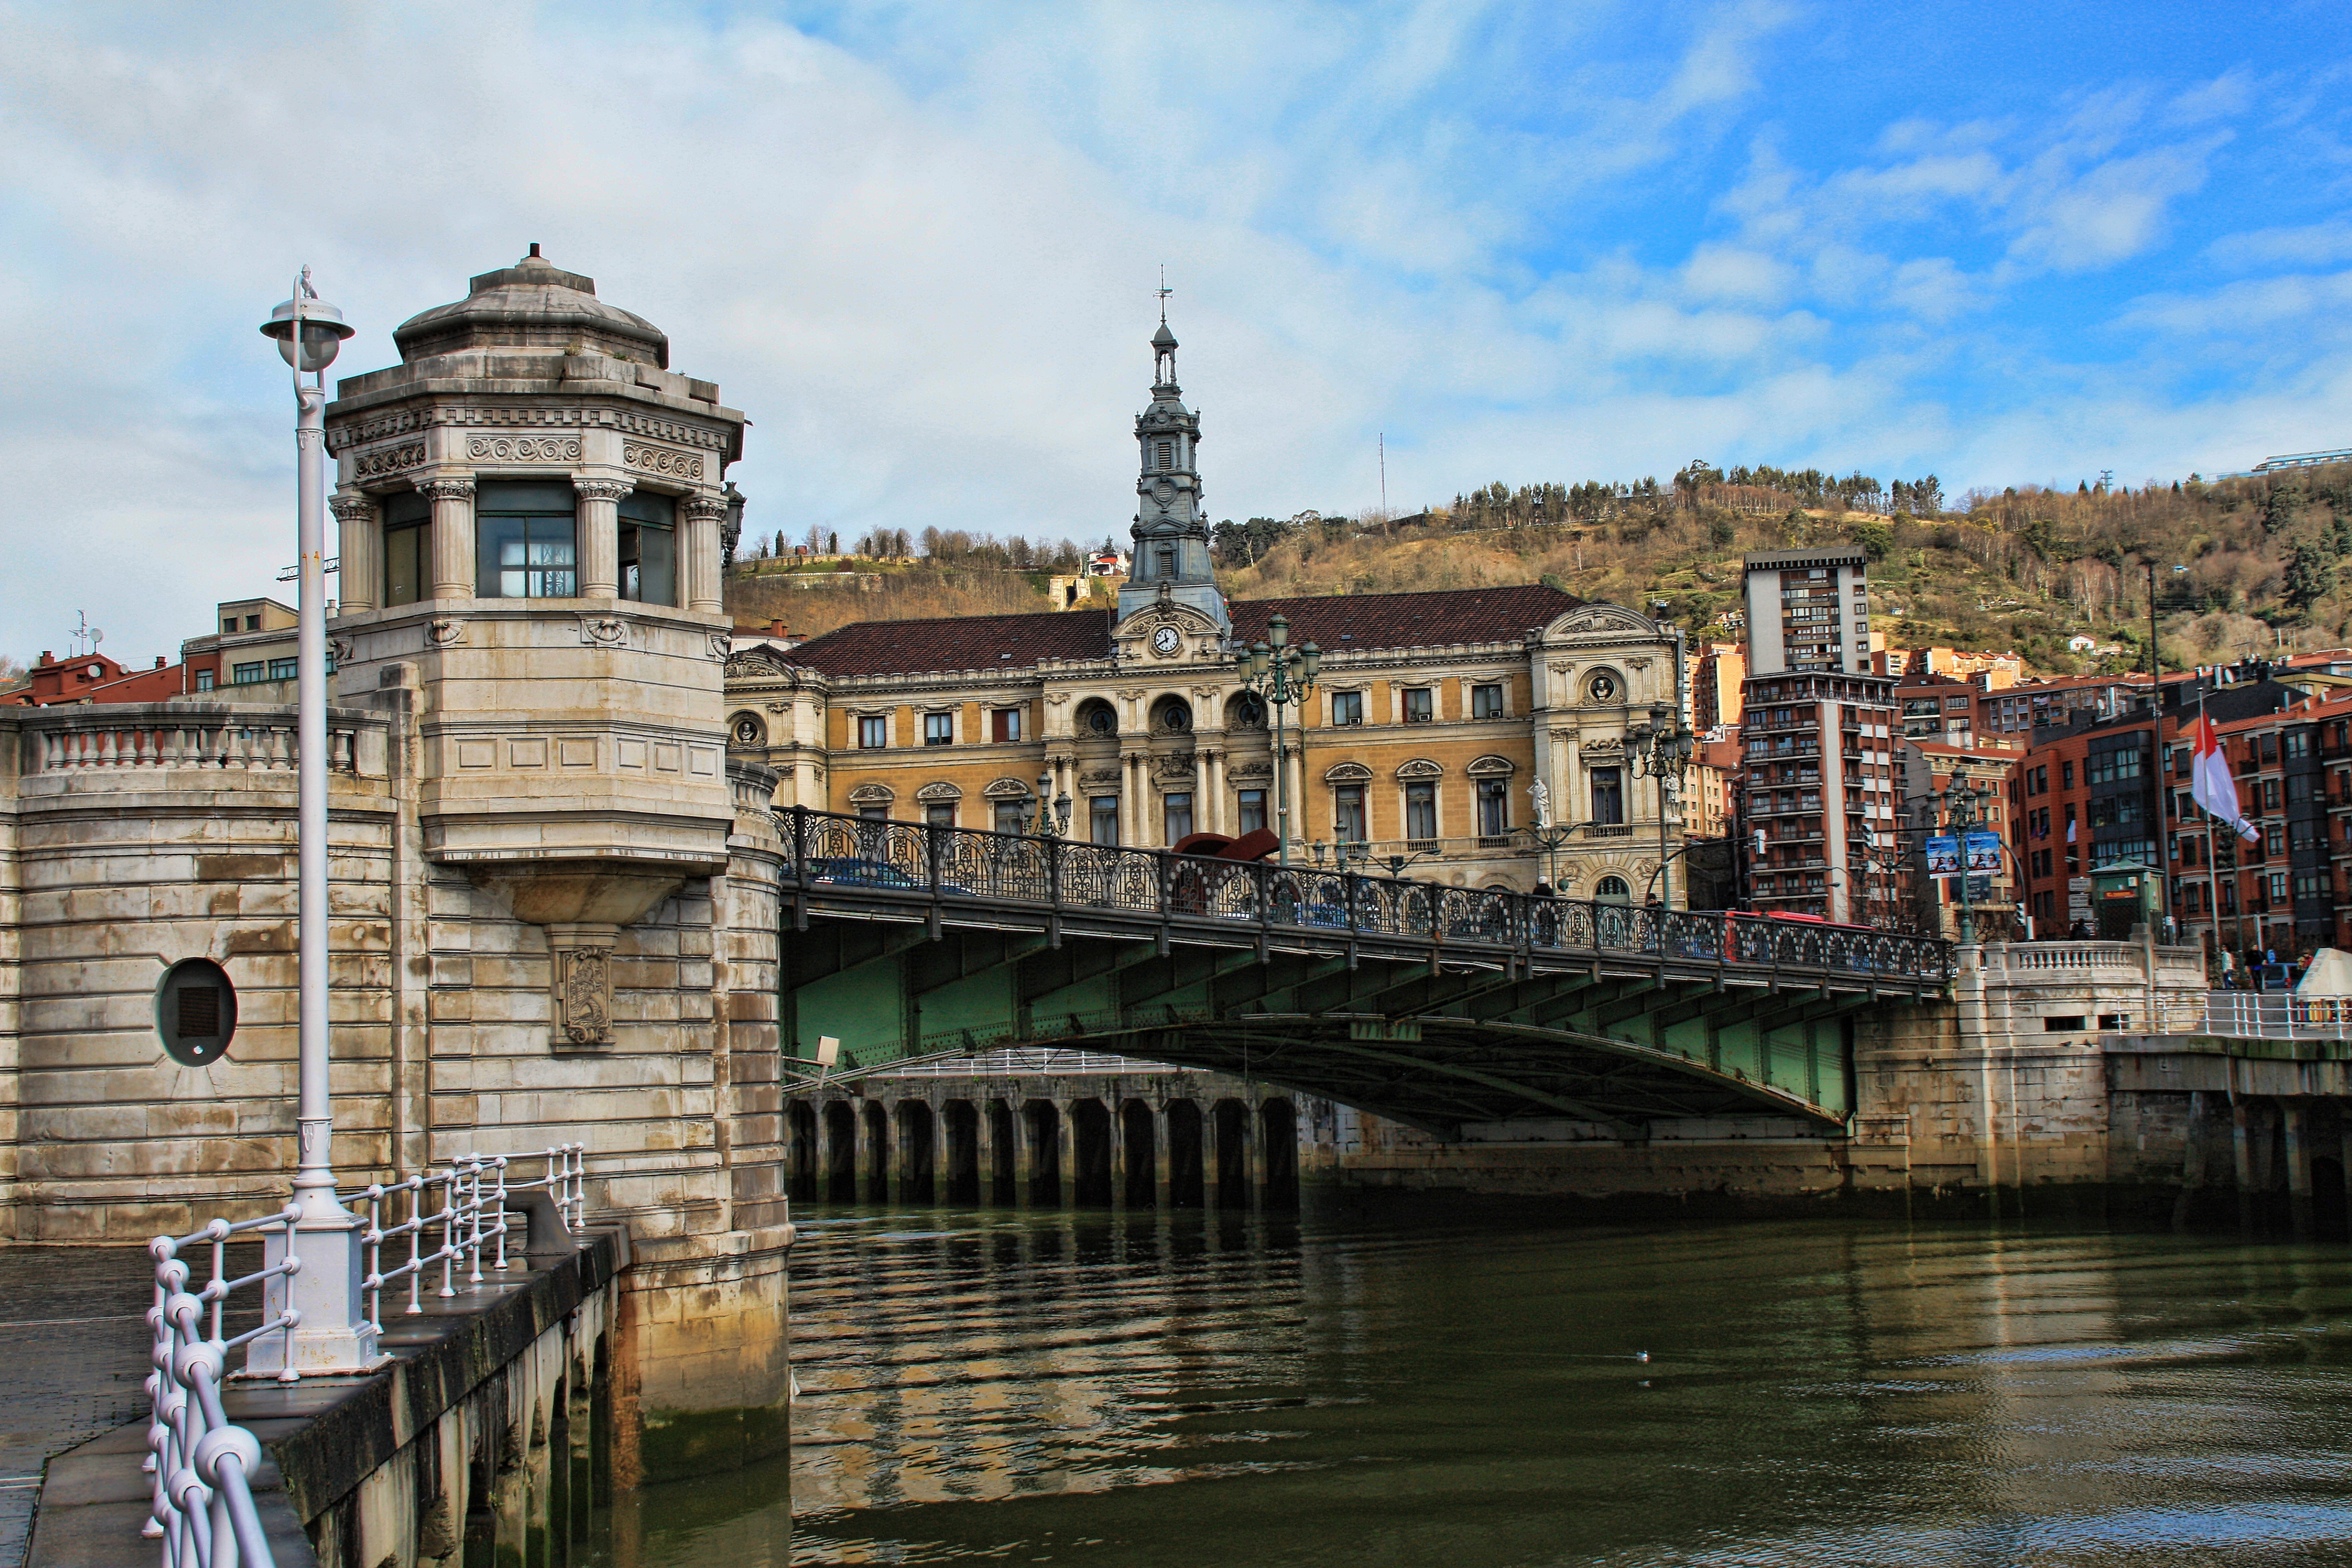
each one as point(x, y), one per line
point(918, 242)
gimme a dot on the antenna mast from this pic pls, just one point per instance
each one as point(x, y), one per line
point(1384, 474)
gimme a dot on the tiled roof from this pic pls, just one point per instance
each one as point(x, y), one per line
point(1335, 622)
point(963, 642)
point(1346, 622)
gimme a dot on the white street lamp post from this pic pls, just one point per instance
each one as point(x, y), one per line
point(334, 1335)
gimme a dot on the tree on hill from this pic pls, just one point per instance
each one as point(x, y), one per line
point(2310, 576)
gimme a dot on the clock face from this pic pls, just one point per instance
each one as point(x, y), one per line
point(1164, 641)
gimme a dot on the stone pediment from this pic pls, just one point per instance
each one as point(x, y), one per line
point(1188, 621)
point(755, 662)
point(1602, 620)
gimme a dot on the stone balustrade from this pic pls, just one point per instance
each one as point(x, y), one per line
point(149, 736)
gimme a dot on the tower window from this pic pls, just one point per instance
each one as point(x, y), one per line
point(407, 555)
point(648, 539)
point(1167, 557)
point(1167, 454)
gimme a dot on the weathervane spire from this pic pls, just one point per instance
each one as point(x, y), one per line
point(1163, 291)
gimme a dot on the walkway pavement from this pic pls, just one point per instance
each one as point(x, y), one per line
point(73, 1363)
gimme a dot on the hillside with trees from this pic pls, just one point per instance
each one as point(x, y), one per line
point(2241, 566)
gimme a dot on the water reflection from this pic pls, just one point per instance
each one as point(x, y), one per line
point(1427, 1385)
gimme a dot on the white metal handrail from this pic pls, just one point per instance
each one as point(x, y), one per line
point(2276, 1015)
point(202, 1465)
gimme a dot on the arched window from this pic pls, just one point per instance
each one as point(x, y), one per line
point(1614, 890)
point(1174, 715)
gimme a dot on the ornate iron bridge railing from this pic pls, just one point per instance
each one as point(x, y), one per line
point(937, 872)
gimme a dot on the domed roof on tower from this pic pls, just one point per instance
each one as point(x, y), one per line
point(533, 304)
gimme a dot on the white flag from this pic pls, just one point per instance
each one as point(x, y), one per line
point(2211, 786)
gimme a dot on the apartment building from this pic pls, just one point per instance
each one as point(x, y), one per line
point(1930, 771)
point(1817, 787)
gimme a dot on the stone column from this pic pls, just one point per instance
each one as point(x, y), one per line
point(1208, 792)
point(2241, 1148)
point(1066, 1167)
point(1129, 812)
point(2298, 1164)
point(856, 1151)
point(698, 557)
point(359, 570)
point(1116, 1104)
point(1024, 1156)
point(1162, 1124)
point(600, 537)
point(2192, 1162)
point(1253, 1152)
point(452, 536)
point(820, 1151)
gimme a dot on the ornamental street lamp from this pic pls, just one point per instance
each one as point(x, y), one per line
point(1282, 674)
point(1662, 748)
point(333, 1336)
point(1963, 807)
point(1050, 818)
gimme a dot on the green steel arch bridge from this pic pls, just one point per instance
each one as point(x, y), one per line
point(1428, 1005)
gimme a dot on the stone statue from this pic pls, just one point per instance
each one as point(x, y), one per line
point(1541, 799)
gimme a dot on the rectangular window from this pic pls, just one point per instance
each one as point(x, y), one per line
point(228, 623)
point(873, 730)
point(1418, 708)
point(1102, 819)
point(938, 729)
point(1493, 808)
point(2278, 887)
point(2299, 786)
point(1609, 795)
point(2229, 897)
point(1007, 816)
point(203, 680)
point(1005, 723)
point(1486, 702)
point(406, 521)
point(1420, 811)
point(1167, 454)
point(1346, 708)
point(285, 668)
point(253, 623)
point(648, 527)
point(940, 815)
point(2270, 795)
point(875, 813)
point(2274, 839)
point(1252, 809)
point(2270, 748)
point(1348, 813)
point(248, 674)
point(2310, 887)
point(2298, 743)
point(1176, 815)
point(526, 542)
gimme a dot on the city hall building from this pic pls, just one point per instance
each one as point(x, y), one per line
point(1433, 719)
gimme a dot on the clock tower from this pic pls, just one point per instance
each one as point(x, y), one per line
point(1171, 534)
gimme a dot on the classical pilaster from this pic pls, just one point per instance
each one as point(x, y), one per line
point(358, 573)
point(600, 537)
point(1211, 801)
point(452, 536)
point(699, 560)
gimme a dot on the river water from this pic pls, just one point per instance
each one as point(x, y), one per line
point(1371, 1384)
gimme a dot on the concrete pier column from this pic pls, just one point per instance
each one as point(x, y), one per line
point(1164, 1136)
point(1024, 1155)
point(895, 1153)
point(2298, 1164)
point(1066, 1163)
point(2242, 1146)
point(821, 1140)
point(1254, 1154)
point(2193, 1176)
point(1116, 1104)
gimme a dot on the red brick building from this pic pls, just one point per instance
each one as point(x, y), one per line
point(93, 677)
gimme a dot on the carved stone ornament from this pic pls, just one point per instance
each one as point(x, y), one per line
point(1420, 768)
point(1637, 664)
point(940, 791)
point(1348, 772)
point(661, 460)
point(585, 988)
point(757, 661)
point(871, 794)
point(1250, 770)
point(446, 490)
point(343, 648)
point(703, 508)
point(446, 631)
point(601, 490)
point(1006, 789)
point(351, 509)
point(604, 631)
point(1491, 768)
point(1613, 745)
point(1099, 781)
point(1179, 766)
point(721, 644)
point(385, 461)
point(1057, 699)
point(523, 448)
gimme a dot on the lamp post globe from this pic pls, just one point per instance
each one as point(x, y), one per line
point(322, 329)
